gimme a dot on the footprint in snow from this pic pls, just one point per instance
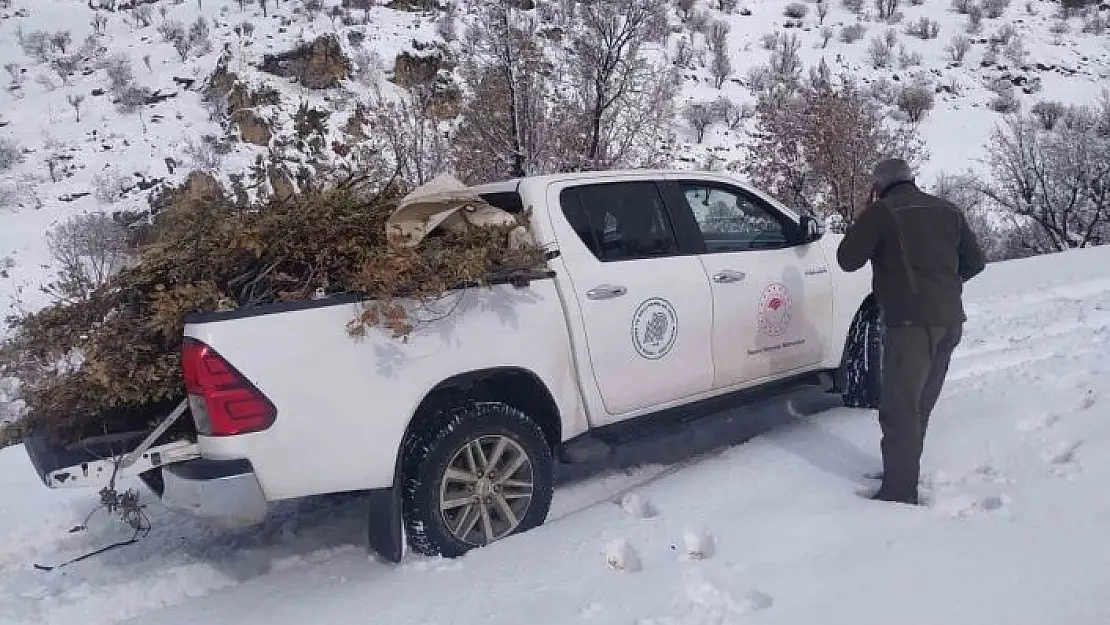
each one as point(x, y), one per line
point(1087, 401)
point(621, 556)
point(711, 599)
point(1039, 422)
point(637, 506)
point(964, 506)
point(1062, 456)
point(700, 544)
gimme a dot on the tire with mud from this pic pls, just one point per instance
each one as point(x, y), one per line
point(482, 471)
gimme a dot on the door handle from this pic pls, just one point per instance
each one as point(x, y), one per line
point(606, 291)
point(728, 275)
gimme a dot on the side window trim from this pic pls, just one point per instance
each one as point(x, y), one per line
point(679, 196)
point(572, 200)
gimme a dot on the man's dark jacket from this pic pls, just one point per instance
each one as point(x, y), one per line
point(921, 251)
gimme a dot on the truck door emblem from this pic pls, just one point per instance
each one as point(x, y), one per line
point(775, 309)
point(654, 328)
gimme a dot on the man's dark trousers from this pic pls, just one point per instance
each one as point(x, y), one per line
point(915, 363)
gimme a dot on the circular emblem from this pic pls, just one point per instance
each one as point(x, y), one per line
point(654, 328)
point(774, 310)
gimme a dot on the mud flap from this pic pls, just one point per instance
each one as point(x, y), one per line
point(384, 531)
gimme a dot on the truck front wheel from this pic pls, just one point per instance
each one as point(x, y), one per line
point(861, 382)
point(480, 473)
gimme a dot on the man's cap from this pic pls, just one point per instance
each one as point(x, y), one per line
point(889, 173)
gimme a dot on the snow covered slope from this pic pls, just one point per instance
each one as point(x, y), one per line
point(1017, 462)
point(81, 151)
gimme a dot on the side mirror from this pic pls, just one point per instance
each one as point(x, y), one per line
point(810, 229)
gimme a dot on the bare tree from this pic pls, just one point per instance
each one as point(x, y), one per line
point(411, 133)
point(822, 13)
point(924, 28)
point(61, 40)
point(685, 9)
point(10, 154)
point(915, 101)
point(881, 52)
point(886, 9)
point(1048, 113)
point(1058, 180)
point(958, 48)
point(827, 33)
point(505, 127)
point(88, 250)
point(974, 19)
point(816, 147)
point(75, 100)
point(98, 23)
point(120, 74)
point(717, 35)
point(700, 115)
point(721, 67)
point(624, 99)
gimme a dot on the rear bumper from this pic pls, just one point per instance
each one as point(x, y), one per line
point(224, 492)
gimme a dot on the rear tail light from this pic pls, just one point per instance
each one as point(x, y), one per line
point(223, 402)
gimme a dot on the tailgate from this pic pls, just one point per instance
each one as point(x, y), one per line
point(98, 462)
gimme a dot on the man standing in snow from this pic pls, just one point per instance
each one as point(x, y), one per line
point(922, 252)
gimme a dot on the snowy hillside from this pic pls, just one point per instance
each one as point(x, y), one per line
point(106, 101)
point(1013, 530)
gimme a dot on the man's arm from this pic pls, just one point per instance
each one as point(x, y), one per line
point(972, 259)
point(862, 240)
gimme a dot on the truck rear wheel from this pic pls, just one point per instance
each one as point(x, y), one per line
point(861, 382)
point(481, 473)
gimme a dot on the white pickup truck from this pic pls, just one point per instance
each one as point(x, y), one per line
point(664, 290)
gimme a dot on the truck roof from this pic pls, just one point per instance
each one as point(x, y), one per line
point(514, 184)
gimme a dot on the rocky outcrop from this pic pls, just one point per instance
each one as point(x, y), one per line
point(317, 65)
point(252, 128)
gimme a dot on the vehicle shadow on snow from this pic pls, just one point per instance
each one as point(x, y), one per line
point(312, 529)
point(784, 421)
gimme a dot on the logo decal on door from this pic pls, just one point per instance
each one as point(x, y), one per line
point(654, 328)
point(775, 309)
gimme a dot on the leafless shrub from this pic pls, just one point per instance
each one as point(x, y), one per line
point(1095, 25)
point(66, 66)
point(915, 101)
point(35, 45)
point(822, 11)
point(1005, 100)
point(1015, 51)
point(120, 74)
point(924, 28)
point(413, 139)
point(855, 6)
point(975, 19)
point(882, 90)
point(771, 40)
point(173, 32)
point(1048, 113)
point(99, 22)
point(958, 48)
point(685, 9)
point(720, 67)
point(699, 21)
point(963, 7)
point(313, 8)
point(61, 40)
point(725, 6)
point(852, 33)
point(76, 100)
point(10, 154)
point(143, 15)
point(886, 9)
point(16, 73)
point(817, 146)
point(199, 38)
point(88, 249)
point(1053, 179)
point(995, 9)
point(908, 58)
point(205, 153)
point(881, 52)
point(700, 115)
point(795, 10)
point(717, 36)
point(1004, 34)
point(827, 33)
point(730, 113)
point(786, 61)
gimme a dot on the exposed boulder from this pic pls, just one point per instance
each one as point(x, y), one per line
point(317, 65)
point(252, 128)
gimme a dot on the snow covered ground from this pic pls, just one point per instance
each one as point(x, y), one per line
point(770, 531)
